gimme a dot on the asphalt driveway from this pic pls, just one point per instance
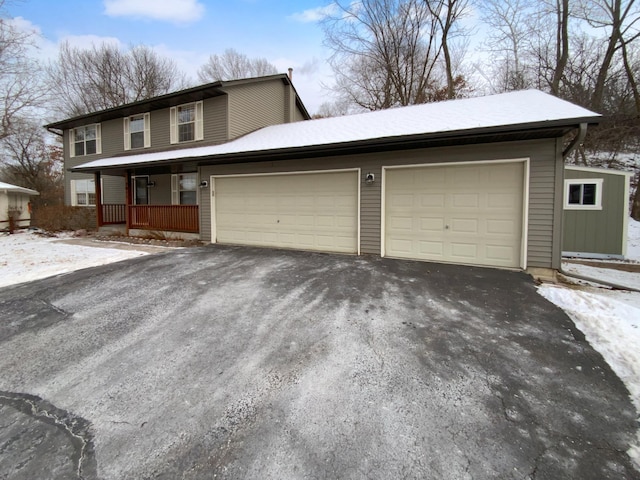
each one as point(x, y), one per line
point(223, 362)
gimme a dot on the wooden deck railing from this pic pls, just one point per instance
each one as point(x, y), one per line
point(113, 214)
point(172, 218)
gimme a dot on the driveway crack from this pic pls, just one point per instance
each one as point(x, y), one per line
point(75, 427)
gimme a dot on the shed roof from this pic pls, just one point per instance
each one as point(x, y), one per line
point(515, 111)
point(7, 187)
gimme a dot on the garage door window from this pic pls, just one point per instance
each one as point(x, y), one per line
point(583, 194)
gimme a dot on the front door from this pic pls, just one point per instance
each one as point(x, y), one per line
point(140, 191)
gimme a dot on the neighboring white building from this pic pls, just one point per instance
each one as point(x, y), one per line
point(15, 200)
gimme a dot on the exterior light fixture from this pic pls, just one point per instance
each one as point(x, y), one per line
point(369, 178)
point(204, 184)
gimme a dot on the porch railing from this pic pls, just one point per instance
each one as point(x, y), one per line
point(113, 214)
point(172, 218)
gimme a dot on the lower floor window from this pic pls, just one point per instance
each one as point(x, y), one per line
point(583, 194)
point(83, 192)
point(184, 189)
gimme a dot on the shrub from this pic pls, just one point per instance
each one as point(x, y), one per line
point(57, 218)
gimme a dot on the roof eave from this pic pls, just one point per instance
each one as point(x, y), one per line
point(405, 142)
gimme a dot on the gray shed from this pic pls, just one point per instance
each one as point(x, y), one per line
point(596, 212)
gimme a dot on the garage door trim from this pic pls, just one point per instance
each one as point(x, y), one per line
point(213, 178)
point(525, 197)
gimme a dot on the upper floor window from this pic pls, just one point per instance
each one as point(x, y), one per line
point(584, 194)
point(83, 192)
point(186, 123)
point(85, 140)
point(137, 131)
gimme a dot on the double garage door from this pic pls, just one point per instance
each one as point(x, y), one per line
point(470, 214)
point(307, 211)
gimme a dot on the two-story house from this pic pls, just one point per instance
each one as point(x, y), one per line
point(166, 198)
point(476, 181)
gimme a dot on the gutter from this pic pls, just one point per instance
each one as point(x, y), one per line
point(51, 130)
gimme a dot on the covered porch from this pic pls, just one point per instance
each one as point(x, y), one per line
point(153, 202)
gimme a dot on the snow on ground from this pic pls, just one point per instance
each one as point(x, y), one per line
point(610, 320)
point(26, 256)
point(633, 241)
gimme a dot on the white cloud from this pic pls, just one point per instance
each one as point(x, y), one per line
point(315, 14)
point(177, 11)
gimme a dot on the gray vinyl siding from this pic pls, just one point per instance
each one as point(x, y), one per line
point(112, 138)
point(543, 161)
point(113, 189)
point(298, 115)
point(597, 231)
point(255, 106)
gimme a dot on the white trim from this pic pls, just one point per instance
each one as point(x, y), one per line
point(525, 197)
point(212, 183)
point(597, 256)
point(598, 170)
point(625, 215)
point(127, 134)
point(524, 256)
point(198, 133)
point(147, 130)
point(173, 125)
point(582, 181)
point(72, 143)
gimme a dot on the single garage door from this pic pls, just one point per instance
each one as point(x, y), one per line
point(469, 214)
point(307, 211)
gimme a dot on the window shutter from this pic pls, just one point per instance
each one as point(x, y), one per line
point(199, 121)
point(175, 192)
point(74, 198)
point(72, 146)
point(147, 130)
point(127, 133)
point(98, 139)
point(173, 125)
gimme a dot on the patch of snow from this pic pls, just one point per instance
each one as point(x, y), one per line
point(25, 256)
point(633, 241)
point(611, 275)
point(610, 321)
point(512, 108)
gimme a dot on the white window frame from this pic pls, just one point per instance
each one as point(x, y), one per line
point(198, 123)
point(80, 186)
point(598, 182)
point(127, 130)
point(72, 140)
point(175, 188)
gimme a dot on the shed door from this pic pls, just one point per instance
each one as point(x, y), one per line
point(307, 211)
point(469, 214)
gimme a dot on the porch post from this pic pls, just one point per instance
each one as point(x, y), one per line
point(127, 194)
point(99, 218)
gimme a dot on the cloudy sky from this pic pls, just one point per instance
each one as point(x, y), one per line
point(285, 32)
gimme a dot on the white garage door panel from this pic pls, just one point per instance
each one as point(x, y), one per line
point(315, 211)
point(463, 214)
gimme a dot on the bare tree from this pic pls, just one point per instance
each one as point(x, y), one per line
point(104, 76)
point(510, 30)
point(385, 52)
point(447, 13)
point(619, 18)
point(30, 161)
point(232, 65)
point(20, 80)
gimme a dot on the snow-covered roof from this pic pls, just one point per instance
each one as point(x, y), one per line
point(520, 110)
point(7, 187)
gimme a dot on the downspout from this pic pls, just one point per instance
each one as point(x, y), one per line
point(579, 138)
